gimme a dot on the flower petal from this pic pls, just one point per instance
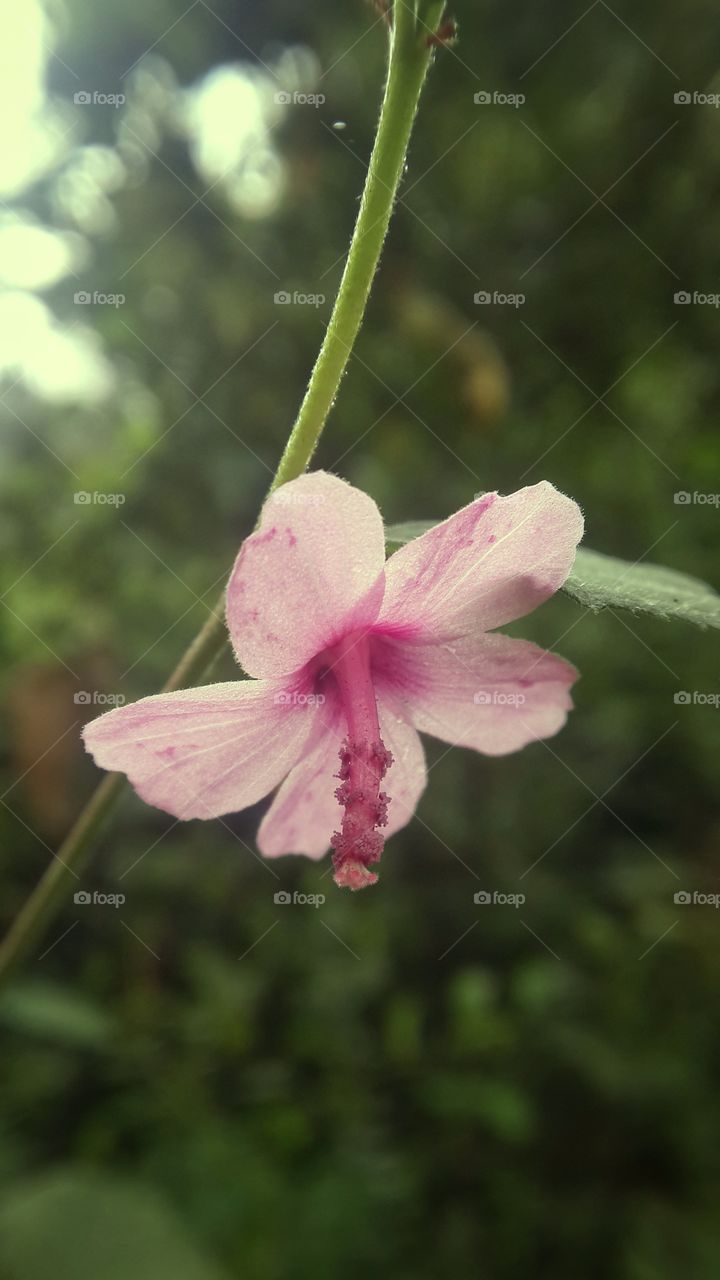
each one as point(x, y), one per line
point(305, 811)
point(198, 753)
point(313, 571)
point(493, 561)
point(406, 778)
point(489, 692)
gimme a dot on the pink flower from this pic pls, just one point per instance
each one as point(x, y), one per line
point(351, 656)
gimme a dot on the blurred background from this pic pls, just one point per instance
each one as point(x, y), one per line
point(199, 1082)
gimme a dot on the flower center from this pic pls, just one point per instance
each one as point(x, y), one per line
point(364, 761)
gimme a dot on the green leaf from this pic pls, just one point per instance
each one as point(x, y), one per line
point(397, 535)
point(79, 1226)
point(50, 1011)
point(599, 582)
point(603, 582)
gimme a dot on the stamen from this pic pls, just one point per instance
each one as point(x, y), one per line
point(364, 761)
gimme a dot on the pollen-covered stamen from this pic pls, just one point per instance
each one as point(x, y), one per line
point(364, 761)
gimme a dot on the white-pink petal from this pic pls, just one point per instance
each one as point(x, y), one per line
point(406, 778)
point(492, 693)
point(305, 811)
point(493, 561)
point(312, 572)
point(199, 753)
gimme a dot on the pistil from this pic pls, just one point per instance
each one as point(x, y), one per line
point(364, 761)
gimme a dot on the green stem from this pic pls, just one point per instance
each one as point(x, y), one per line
point(408, 62)
point(74, 853)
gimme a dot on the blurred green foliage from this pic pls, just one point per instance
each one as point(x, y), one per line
point(202, 1082)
